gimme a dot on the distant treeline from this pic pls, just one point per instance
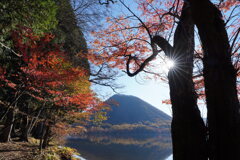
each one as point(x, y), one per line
point(162, 129)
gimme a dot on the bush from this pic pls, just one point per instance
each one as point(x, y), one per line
point(60, 153)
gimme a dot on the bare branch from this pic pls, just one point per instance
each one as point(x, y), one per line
point(143, 24)
point(231, 14)
point(234, 40)
point(12, 51)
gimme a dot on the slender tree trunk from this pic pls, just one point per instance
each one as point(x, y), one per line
point(25, 128)
point(220, 82)
point(46, 137)
point(41, 140)
point(43, 132)
point(188, 129)
point(6, 134)
point(34, 120)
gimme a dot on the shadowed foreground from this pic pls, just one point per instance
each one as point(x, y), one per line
point(17, 151)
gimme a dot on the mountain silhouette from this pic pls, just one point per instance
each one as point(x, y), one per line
point(131, 109)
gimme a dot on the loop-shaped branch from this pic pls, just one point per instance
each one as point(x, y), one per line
point(162, 43)
point(107, 2)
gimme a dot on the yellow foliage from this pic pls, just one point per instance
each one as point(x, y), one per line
point(59, 153)
point(33, 140)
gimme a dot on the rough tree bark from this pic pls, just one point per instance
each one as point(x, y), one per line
point(188, 129)
point(220, 82)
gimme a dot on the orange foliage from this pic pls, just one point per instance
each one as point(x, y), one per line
point(167, 101)
point(49, 77)
point(131, 35)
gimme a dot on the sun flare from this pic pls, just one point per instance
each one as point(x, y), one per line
point(169, 63)
point(163, 65)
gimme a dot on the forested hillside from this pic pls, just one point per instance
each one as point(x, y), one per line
point(70, 35)
point(44, 74)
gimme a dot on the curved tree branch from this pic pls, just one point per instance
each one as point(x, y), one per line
point(142, 66)
point(163, 44)
point(107, 2)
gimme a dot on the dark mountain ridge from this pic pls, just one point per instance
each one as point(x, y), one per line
point(131, 109)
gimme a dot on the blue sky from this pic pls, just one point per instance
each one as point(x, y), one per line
point(149, 90)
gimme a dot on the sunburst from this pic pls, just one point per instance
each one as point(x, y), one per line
point(168, 64)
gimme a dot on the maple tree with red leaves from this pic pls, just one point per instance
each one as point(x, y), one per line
point(136, 41)
point(48, 88)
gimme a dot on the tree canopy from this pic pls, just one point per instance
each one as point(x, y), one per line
point(44, 80)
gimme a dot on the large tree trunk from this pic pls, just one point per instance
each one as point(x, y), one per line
point(188, 129)
point(220, 82)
